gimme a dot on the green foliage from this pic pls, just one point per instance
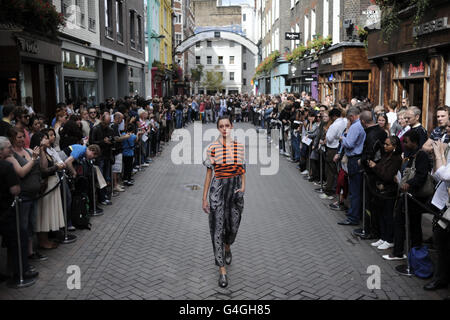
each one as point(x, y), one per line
point(213, 81)
point(302, 51)
point(267, 64)
point(390, 9)
point(36, 16)
point(197, 73)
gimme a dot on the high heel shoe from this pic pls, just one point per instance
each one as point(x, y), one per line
point(223, 281)
point(228, 257)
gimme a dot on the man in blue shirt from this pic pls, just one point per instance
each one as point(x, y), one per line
point(353, 143)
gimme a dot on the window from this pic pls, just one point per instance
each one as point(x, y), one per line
point(91, 16)
point(139, 26)
point(231, 44)
point(244, 82)
point(244, 66)
point(209, 44)
point(197, 60)
point(165, 17)
point(313, 23)
point(165, 53)
point(178, 18)
point(177, 39)
point(244, 17)
point(306, 30)
point(119, 20)
point(132, 29)
point(336, 20)
point(231, 75)
point(80, 16)
point(220, 60)
point(244, 50)
point(325, 18)
point(231, 59)
point(208, 60)
point(197, 44)
point(108, 19)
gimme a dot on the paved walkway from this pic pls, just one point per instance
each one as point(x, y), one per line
point(154, 243)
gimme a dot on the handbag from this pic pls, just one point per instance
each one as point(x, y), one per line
point(427, 189)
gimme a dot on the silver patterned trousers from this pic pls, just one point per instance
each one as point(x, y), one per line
point(225, 214)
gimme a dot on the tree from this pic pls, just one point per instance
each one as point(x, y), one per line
point(197, 74)
point(213, 81)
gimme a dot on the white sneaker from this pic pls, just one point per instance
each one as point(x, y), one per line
point(378, 243)
point(391, 257)
point(145, 165)
point(385, 245)
point(304, 172)
point(325, 196)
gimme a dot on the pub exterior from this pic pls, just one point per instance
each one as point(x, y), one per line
point(344, 72)
point(414, 62)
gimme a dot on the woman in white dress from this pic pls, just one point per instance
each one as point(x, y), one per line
point(50, 210)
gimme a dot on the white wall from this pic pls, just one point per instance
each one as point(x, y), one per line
point(222, 48)
point(77, 31)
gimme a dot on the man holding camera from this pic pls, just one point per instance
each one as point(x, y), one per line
point(103, 136)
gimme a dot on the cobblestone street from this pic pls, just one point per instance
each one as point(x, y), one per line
point(154, 243)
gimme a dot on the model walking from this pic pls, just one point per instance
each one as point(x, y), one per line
point(226, 193)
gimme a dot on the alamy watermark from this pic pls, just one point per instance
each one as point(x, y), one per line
point(374, 280)
point(74, 279)
point(189, 149)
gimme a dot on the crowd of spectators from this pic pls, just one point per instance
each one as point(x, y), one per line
point(84, 155)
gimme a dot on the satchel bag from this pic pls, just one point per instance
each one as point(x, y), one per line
point(427, 189)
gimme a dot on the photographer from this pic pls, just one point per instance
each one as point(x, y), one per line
point(128, 153)
point(102, 135)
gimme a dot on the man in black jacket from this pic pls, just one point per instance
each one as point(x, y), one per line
point(102, 135)
point(421, 162)
point(373, 147)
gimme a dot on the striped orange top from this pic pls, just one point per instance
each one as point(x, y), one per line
point(228, 161)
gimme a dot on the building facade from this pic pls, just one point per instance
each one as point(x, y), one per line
point(152, 44)
point(249, 60)
point(121, 51)
point(80, 55)
point(224, 57)
point(414, 63)
point(184, 26)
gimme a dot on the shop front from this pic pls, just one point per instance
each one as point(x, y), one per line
point(30, 67)
point(80, 72)
point(414, 63)
point(344, 72)
point(303, 77)
point(278, 78)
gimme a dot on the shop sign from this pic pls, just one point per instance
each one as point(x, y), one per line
point(414, 69)
point(26, 45)
point(330, 78)
point(326, 60)
point(308, 79)
point(292, 36)
point(431, 26)
point(336, 59)
point(308, 72)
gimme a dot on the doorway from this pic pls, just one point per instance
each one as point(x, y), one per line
point(415, 92)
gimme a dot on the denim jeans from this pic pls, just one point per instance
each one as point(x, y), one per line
point(295, 141)
point(355, 185)
point(179, 118)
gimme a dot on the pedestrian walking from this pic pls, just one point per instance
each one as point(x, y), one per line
point(226, 193)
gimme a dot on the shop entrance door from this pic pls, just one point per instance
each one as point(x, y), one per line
point(415, 92)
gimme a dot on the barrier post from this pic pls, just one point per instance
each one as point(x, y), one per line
point(320, 190)
point(68, 238)
point(308, 176)
point(21, 282)
point(362, 233)
point(405, 269)
point(94, 200)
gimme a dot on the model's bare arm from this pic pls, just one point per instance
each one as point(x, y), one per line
point(205, 204)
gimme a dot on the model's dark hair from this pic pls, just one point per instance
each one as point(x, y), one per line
point(223, 118)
